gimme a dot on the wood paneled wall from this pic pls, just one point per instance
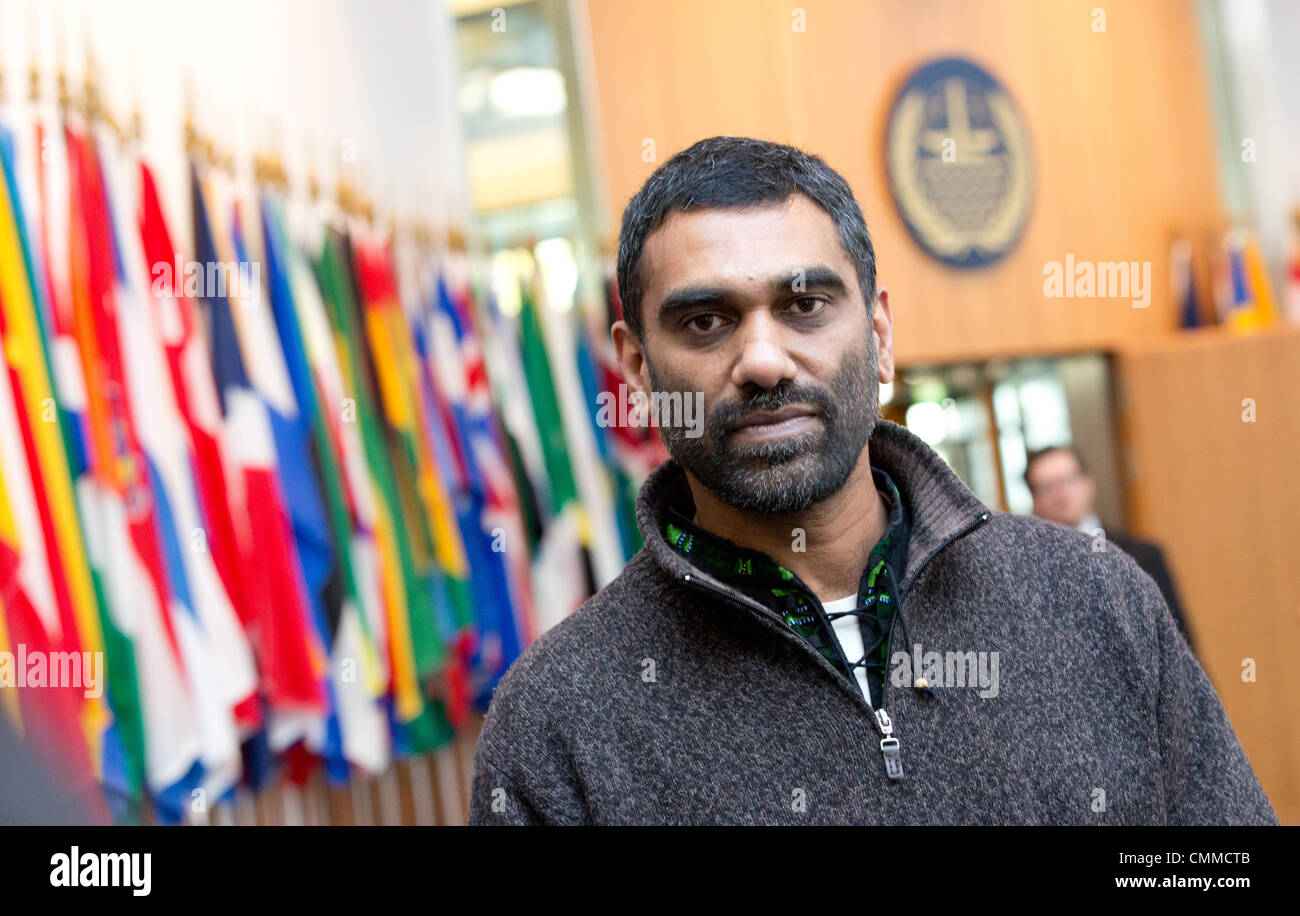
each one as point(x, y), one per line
point(1222, 495)
point(1120, 122)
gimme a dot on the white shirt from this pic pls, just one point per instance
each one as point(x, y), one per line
point(849, 634)
point(1091, 525)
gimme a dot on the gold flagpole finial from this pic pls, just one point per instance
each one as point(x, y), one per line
point(281, 173)
point(193, 143)
point(33, 68)
point(63, 94)
point(91, 102)
point(362, 198)
point(345, 197)
point(269, 172)
point(308, 171)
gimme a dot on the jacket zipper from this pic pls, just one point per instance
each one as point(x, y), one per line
point(984, 517)
point(884, 684)
point(889, 745)
point(695, 580)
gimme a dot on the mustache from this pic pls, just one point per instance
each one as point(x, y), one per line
point(726, 416)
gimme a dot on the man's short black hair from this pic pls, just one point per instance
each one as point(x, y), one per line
point(735, 173)
point(1044, 452)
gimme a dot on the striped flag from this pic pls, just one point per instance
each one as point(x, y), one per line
point(122, 523)
point(291, 662)
point(217, 658)
point(560, 570)
point(464, 347)
point(74, 624)
point(28, 616)
point(486, 503)
point(124, 745)
point(357, 731)
point(1251, 297)
point(406, 599)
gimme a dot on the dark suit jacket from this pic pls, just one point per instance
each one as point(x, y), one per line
point(1151, 558)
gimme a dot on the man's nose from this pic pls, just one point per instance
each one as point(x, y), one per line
point(764, 360)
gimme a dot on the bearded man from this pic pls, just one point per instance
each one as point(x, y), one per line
point(807, 634)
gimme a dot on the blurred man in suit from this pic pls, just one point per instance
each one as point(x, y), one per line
point(1063, 492)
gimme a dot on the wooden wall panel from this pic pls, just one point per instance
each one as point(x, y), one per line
point(1223, 497)
point(1120, 123)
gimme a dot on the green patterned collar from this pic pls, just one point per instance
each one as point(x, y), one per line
point(759, 575)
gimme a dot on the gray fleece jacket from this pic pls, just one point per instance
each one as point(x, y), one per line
point(1060, 691)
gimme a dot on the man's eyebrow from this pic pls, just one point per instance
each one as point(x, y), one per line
point(817, 276)
point(688, 297)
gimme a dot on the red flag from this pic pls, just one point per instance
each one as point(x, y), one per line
point(190, 369)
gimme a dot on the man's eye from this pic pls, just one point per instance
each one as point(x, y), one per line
point(809, 305)
point(710, 323)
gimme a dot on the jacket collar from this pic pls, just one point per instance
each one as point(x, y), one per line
point(941, 506)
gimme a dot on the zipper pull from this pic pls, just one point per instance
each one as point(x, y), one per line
point(889, 746)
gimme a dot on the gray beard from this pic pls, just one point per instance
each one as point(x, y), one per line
point(785, 475)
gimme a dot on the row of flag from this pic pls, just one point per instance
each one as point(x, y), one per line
point(307, 511)
point(1242, 294)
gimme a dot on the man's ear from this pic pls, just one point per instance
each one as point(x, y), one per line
point(882, 328)
point(631, 357)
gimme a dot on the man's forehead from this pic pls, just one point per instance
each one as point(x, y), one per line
point(750, 243)
point(1054, 462)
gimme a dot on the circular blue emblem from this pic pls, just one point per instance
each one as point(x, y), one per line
point(959, 162)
